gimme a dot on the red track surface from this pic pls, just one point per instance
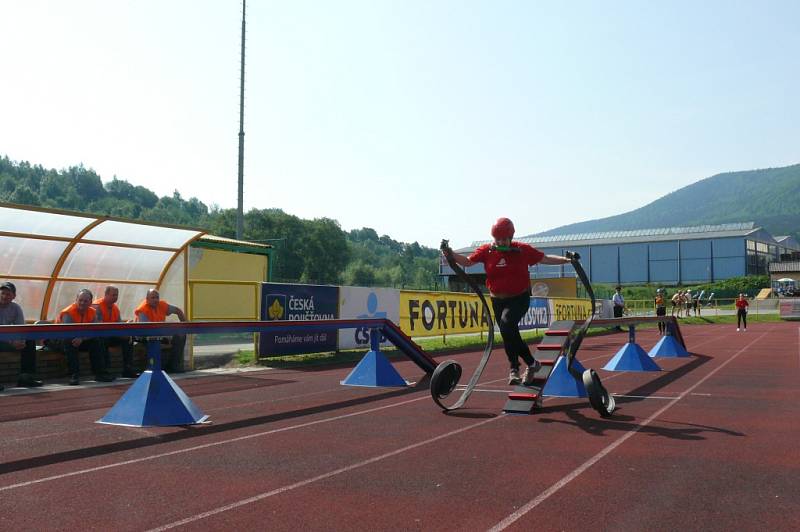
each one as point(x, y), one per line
point(710, 443)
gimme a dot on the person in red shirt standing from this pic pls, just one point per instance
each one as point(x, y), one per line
point(506, 264)
point(741, 312)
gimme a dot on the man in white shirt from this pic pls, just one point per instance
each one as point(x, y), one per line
point(11, 314)
point(619, 304)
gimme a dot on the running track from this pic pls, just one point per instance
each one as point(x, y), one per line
point(710, 443)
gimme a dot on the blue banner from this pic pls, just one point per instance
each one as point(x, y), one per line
point(538, 315)
point(298, 302)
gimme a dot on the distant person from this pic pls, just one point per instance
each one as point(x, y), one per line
point(687, 303)
point(741, 312)
point(506, 264)
point(81, 311)
point(661, 310)
point(619, 304)
point(108, 312)
point(710, 299)
point(152, 309)
point(676, 303)
point(11, 314)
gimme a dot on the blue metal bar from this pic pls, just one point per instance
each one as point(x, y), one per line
point(92, 330)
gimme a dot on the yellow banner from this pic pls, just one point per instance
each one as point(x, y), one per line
point(556, 287)
point(571, 309)
point(437, 313)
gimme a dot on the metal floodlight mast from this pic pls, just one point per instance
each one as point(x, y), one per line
point(240, 203)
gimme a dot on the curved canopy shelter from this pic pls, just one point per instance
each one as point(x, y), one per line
point(49, 255)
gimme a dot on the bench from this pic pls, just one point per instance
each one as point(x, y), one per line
point(52, 364)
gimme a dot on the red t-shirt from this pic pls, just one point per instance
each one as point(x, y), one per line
point(742, 303)
point(507, 271)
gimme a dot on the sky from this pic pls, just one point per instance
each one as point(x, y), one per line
point(422, 119)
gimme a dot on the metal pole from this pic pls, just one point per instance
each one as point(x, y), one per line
point(240, 204)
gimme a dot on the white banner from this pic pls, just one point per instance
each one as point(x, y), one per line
point(359, 302)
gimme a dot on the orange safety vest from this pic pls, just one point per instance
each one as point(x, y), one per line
point(107, 315)
point(153, 314)
point(72, 311)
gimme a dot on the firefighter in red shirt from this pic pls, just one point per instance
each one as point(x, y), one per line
point(506, 264)
point(741, 312)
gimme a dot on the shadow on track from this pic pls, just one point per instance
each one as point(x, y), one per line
point(193, 431)
point(599, 426)
point(48, 404)
point(622, 423)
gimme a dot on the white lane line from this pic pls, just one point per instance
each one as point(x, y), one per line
point(508, 521)
point(643, 396)
point(317, 478)
point(205, 446)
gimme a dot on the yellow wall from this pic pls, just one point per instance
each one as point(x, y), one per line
point(225, 284)
point(227, 265)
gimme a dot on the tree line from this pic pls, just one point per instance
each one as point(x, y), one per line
point(307, 251)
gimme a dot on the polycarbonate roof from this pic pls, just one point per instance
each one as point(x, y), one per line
point(47, 254)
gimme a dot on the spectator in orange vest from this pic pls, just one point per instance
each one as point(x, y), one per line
point(82, 312)
point(108, 312)
point(152, 309)
point(11, 314)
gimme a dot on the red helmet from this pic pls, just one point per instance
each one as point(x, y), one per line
point(503, 228)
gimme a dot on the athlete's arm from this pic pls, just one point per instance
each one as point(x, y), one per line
point(554, 259)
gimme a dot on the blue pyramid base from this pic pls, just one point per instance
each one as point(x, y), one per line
point(154, 400)
point(561, 383)
point(668, 346)
point(374, 370)
point(631, 357)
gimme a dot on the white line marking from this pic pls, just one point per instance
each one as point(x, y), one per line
point(204, 446)
point(508, 521)
point(642, 396)
point(323, 476)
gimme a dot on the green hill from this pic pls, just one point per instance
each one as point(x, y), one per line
point(769, 197)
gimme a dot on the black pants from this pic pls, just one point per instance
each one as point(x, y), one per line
point(95, 348)
point(27, 355)
point(123, 342)
point(174, 362)
point(661, 311)
point(507, 313)
point(741, 317)
point(618, 313)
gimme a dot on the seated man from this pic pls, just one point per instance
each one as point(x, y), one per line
point(11, 314)
point(108, 312)
point(82, 312)
point(152, 309)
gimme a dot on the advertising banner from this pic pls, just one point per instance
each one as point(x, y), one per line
point(570, 309)
point(555, 287)
point(437, 313)
point(281, 302)
point(538, 315)
point(789, 309)
point(360, 302)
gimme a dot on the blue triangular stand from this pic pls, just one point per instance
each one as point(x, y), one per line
point(668, 346)
point(154, 400)
point(374, 370)
point(631, 357)
point(561, 383)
